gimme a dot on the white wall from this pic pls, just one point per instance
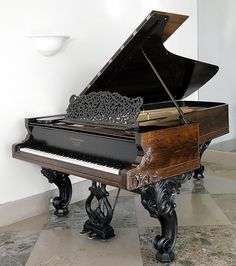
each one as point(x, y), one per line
point(33, 85)
point(217, 44)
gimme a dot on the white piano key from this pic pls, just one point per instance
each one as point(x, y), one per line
point(87, 164)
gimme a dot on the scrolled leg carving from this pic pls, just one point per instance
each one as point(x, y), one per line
point(62, 181)
point(100, 217)
point(199, 173)
point(159, 201)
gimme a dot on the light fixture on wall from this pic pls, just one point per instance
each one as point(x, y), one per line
point(48, 44)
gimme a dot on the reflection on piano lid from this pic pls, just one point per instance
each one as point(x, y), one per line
point(130, 75)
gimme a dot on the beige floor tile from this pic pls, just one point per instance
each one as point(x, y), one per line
point(69, 248)
point(223, 184)
point(192, 209)
point(35, 223)
point(199, 209)
point(219, 169)
point(227, 203)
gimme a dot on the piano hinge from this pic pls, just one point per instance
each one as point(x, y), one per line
point(182, 117)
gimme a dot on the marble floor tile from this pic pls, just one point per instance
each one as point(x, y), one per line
point(124, 215)
point(227, 203)
point(196, 246)
point(217, 169)
point(192, 209)
point(199, 209)
point(74, 220)
point(69, 248)
point(193, 186)
point(15, 247)
point(35, 224)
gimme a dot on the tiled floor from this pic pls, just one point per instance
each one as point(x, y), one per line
point(207, 231)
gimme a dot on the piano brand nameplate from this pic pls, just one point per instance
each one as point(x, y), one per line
point(85, 143)
point(76, 141)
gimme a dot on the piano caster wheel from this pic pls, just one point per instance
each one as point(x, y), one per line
point(165, 257)
point(198, 174)
point(61, 212)
point(60, 206)
point(83, 232)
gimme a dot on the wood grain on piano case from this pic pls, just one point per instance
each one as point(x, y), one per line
point(167, 152)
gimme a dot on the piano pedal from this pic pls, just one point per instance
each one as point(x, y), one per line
point(84, 232)
point(91, 235)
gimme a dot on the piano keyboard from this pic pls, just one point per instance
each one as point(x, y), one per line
point(87, 164)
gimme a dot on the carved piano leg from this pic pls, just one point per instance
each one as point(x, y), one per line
point(159, 201)
point(62, 181)
point(198, 174)
point(99, 217)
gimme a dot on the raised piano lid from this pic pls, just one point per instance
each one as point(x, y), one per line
point(129, 74)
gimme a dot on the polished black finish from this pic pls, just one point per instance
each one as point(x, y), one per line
point(159, 201)
point(78, 144)
point(98, 224)
point(62, 181)
point(129, 74)
point(199, 173)
point(104, 108)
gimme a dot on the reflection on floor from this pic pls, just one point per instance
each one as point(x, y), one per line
point(207, 231)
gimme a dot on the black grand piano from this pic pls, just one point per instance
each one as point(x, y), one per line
point(130, 128)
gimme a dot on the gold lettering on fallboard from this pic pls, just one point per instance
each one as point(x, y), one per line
point(76, 141)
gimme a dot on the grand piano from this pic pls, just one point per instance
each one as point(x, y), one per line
point(130, 128)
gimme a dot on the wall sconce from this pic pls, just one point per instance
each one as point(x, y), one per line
point(48, 44)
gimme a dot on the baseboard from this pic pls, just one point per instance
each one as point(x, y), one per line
point(22, 209)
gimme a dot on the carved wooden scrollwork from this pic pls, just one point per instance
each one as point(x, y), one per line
point(158, 200)
point(104, 108)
